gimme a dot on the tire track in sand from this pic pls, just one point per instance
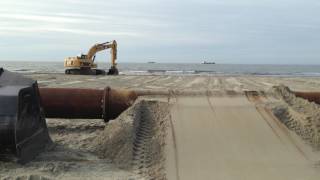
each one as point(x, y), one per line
point(172, 149)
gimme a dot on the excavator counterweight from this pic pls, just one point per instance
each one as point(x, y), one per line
point(84, 63)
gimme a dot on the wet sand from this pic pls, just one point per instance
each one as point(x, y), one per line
point(220, 83)
point(200, 127)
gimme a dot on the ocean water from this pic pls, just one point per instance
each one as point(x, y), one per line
point(175, 69)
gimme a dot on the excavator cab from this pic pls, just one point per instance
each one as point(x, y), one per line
point(81, 56)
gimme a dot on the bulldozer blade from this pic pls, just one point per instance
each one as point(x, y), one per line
point(23, 129)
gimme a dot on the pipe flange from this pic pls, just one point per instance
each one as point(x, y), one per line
point(106, 104)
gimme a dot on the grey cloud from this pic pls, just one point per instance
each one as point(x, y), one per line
point(264, 31)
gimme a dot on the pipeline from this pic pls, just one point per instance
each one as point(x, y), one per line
point(310, 96)
point(24, 106)
point(74, 103)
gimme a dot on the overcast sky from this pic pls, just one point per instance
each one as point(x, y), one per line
point(226, 31)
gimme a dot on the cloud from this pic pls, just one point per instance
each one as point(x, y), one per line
point(43, 18)
point(44, 29)
point(172, 27)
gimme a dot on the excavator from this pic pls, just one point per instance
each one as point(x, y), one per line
point(84, 64)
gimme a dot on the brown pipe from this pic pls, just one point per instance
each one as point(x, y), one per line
point(310, 96)
point(85, 103)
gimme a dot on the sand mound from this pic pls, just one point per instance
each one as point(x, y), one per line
point(73, 156)
point(129, 147)
point(136, 139)
point(299, 115)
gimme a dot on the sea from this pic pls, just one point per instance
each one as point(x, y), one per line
point(174, 68)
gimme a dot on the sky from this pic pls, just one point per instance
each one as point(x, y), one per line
point(185, 31)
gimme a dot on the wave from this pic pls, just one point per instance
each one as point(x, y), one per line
point(204, 72)
point(23, 70)
point(177, 69)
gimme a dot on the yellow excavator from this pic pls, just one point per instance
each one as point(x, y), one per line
point(84, 63)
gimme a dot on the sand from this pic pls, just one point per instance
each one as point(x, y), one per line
point(299, 115)
point(136, 141)
point(185, 127)
point(228, 138)
point(202, 83)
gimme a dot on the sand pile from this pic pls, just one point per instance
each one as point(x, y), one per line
point(136, 140)
point(299, 115)
point(73, 156)
point(131, 146)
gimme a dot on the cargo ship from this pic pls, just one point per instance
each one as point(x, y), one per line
point(207, 62)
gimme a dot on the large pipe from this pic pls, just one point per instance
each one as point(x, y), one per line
point(310, 96)
point(104, 104)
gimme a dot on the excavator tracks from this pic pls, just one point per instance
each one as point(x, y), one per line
point(85, 71)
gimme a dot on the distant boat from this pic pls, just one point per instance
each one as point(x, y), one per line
point(206, 62)
point(151, 62)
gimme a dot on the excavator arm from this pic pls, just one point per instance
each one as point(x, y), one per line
point(100, 47)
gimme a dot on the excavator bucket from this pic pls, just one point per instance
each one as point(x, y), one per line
point(23, 129)
point(113, 71)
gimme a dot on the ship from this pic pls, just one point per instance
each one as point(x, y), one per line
point(207, 62)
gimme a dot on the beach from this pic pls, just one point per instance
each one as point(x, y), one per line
point(159, 90)
point(185, 127)
point(236, 83)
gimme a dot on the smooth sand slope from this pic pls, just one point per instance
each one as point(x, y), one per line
point(228, 138)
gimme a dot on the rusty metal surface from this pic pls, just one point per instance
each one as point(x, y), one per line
point(310, 96)
point(23, 129)
point(85, 103)
point(119, 101)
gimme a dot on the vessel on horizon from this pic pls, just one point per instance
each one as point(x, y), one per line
point(207, 62)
